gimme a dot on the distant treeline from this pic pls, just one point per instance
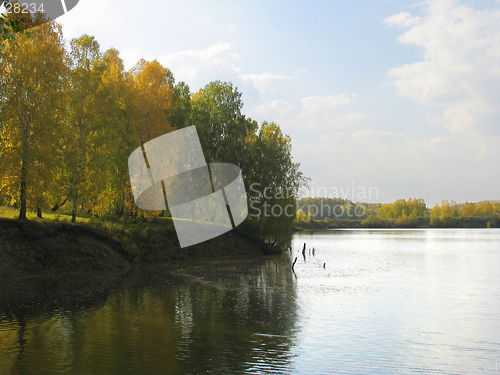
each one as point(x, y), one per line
point(400, 213)
point(70, 118)
point(333, 208)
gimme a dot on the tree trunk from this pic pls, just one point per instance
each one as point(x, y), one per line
point(76, 185)
point(77, 182)
point(39, 212)
point(58, 206)
point(24, 173)
point(24, 168)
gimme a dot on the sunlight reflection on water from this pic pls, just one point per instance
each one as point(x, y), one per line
point(402, 296)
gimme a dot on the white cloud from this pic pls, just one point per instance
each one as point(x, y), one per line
point(438, 145)
point(373, 136)
point(187, 65)
point(327, 103)
point(211, 53)
point(354, 117)
point(305, 120)
point(191, 65)
point(312, 112)
point(460, 70)
point(262, 82)
point(301, 71)
point(281, 107)
point(321, 113)
point(403, 19)
point(459, 119)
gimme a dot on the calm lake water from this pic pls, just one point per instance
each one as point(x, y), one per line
point(367, 302)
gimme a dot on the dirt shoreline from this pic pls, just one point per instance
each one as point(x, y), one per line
point(30, 247)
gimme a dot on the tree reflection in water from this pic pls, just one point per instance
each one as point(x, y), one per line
point(216, 316)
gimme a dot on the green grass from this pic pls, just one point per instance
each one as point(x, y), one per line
point(108, 223)
point(12, 213)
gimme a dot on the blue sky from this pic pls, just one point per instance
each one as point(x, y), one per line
point(398, 95)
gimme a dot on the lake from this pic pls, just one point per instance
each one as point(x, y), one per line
point(367, 302)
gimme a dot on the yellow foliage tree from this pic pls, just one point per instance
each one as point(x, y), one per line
point(32, 75)
point(85, 131)
point(153, 91)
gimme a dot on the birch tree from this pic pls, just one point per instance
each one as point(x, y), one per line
point(85, 118)
point(32, 108)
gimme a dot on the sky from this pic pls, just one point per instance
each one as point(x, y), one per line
point(383, 99)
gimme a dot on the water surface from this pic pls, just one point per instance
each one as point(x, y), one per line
point(368, 301)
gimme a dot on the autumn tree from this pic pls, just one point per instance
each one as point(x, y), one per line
point(32, 76)
point(445, 207)
point(118, 143)
point(153, 105)
point(301, 216)
point(467, 209)
point(86, 133)
point(411, 208)
point(483, 208)
point(113, 138)
point(153, 90)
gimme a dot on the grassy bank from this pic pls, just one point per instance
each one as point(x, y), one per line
point(53, 244)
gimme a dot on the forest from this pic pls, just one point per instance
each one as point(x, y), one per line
point(410, 212)
point(71, 116)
